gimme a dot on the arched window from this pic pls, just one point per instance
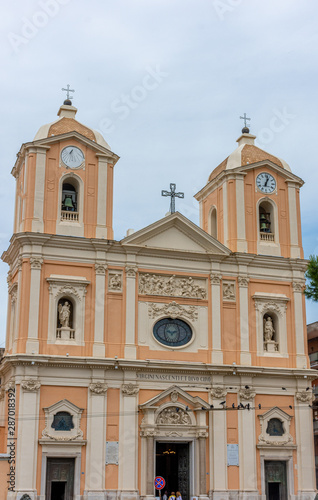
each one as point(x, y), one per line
point(62, 421)
point(266, 221)
point(69, 201)
point(271, 334)
point(65, 319)
point(213, 228)
point(275, 427)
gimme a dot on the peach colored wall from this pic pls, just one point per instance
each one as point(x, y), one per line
point(50, 395)
point(232, 438)
point(112, 434)
point(4, 470)
point(230, 334)
point(109, 207)
point(232, 224)
point(29, 198)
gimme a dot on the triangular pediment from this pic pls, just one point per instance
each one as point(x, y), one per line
point(176, 394)
point(287, 174)
point(176, 232)
point(275, 412)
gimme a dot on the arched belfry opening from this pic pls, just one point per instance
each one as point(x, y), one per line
point(266, 215)
point(69, 200)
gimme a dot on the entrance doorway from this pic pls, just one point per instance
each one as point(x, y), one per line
point(60, 478)
point(173, 464)
point(275, 480)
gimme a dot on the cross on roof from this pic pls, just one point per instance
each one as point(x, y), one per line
point(244, 117)
point(68, 90)
point(173, 195)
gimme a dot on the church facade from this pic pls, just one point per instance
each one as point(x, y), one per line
point(179, 351)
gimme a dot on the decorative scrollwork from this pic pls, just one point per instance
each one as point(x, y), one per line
point(215, 278)
point(36, 262)
point(30, 385)
point(172, 310)
point(304, 396)
point(100, 268)
point(98, 388)
point(131, 271)
point(247, 394)
point(298, 286)
point(130, 389)
point(243, 281)
point(218, 393)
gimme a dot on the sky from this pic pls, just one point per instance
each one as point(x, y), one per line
point(165, 82)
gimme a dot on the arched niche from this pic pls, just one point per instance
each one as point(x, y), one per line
point(212, 222)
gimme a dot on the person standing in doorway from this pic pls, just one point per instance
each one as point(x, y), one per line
point(179, 497)
point(165, 495)
point(172, 496)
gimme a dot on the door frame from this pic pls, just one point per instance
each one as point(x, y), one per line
point(180, 440)
point(62, 453)
point(279, 456)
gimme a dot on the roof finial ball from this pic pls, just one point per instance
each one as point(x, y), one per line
point(68, 101)
point(245, 129)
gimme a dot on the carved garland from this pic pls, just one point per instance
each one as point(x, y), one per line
point(30, 385)
point(172, 310)
point(304, 396)
point(130, 389)
point(218, 393)
point(247, 394)
point(98, 388)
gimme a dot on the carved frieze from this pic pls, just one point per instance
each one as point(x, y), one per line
point(98, 388)
point(304, 396)
point(172, 310)
point(218, 393)
point(147, 433)
point(130, 389)
point(229, 291)
point(172, 286)
point(30, 385)
point(173, 416)
point(115, 282)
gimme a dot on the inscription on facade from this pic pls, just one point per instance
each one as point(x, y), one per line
point(232, 454)
point(170, 377)
point(112, 452)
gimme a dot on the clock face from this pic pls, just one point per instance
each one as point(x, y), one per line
point(172, 332)
point(266, 182)
point(72, 157)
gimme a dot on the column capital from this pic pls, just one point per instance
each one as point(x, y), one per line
point(98, 388)
point(243, 281)
point(30, 385)
point(247, 394)
point(298, 286)
point(218, 393)
point(215, 278)
point(304, 396)
point(36, 262)
point(131, 271)
point(100, 268)
point(130, 389)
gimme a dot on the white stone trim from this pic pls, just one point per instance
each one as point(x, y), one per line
point(225, 215)
point(240, 214)
point(264, 439)
point(50, 434)
point(101, 230)
point(75, 288)
point(32, 344)
point(293, 221)
point(37, 222)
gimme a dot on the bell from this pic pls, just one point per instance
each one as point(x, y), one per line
point(68, 202)
point(263, 226)
point(263, 217)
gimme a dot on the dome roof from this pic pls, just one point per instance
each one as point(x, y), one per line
point(245, 154)
point(67, 123)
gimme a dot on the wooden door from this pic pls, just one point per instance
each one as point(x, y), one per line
point(60, 479)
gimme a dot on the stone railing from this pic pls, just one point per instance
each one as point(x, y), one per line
point(69, 216)
point(65, 334)
point(267, 236)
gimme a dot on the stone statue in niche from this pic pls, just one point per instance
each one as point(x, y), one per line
point(269, 332)
point(65, 314)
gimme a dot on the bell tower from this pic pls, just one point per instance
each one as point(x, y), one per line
point(251, 202)
point(65, 180)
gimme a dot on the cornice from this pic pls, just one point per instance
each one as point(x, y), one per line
point(153, 366)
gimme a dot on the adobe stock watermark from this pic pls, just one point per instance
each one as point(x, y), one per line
point(121, 107)
point(223, 7)
point(39, 20)
point(277, 124)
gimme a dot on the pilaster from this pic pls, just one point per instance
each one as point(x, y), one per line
point(130, 347)
point(240, 214)
point(27, 439)
point(292, 205)
point(219, 450)
point(244, 327)
point(99, 345)
point(247, 445)
point(217, 354)
point(32, 344)
point(301, 359)
point(101, 229)
point(37, 223)
point(96, 441)
point(128, 442)
point(305, 444)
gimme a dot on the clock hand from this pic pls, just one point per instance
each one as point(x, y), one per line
point(267, 179)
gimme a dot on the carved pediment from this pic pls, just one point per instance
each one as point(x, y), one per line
point(63, 433)
point(175, 394)
point(176, 232)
